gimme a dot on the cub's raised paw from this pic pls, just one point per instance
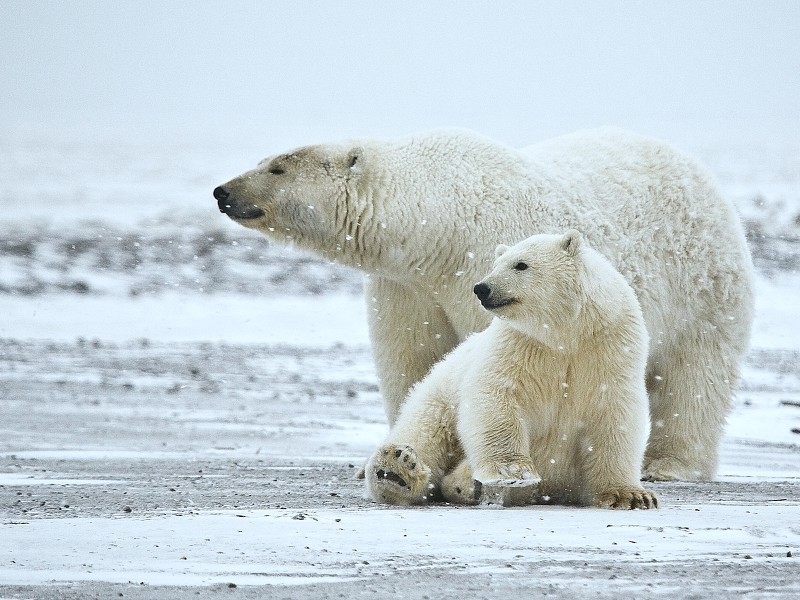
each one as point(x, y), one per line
point(627, 498)
point(517, 473)
point(512, 483)
point(395, 475)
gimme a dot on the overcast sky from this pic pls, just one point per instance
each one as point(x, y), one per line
point(295, 72)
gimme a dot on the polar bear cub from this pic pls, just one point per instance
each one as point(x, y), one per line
point(546, 405)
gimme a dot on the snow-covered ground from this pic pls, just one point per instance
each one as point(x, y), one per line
point(184, 407)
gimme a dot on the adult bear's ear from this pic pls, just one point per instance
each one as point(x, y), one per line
point(354, 158)
point(571, 242)
point(500, 250)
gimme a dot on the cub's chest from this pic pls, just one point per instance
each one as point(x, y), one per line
point(554, 406)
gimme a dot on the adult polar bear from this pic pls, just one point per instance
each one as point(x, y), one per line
point(422, 216)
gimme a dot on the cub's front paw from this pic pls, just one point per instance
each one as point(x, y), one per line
point(517, 473)
point(395, 475)
point(511, 483)
point(627, 498)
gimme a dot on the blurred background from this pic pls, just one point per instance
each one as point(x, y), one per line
point(282, 73)
point(117, 119)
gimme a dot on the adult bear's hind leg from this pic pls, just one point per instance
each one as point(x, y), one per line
point(690, 385)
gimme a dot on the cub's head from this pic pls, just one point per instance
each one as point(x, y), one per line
point(297, 196)
point(536, 284)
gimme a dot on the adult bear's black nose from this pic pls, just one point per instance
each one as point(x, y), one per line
point(220, 193)
point(482, 291)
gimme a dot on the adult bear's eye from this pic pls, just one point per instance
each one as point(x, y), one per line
point(521, 266)
point(277, 171)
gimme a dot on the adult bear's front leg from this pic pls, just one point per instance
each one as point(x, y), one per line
point(409, 333)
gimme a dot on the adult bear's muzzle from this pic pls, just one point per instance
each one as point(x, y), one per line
point(234, 208)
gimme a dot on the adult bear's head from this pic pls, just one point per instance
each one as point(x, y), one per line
point(308, 196)
point(404, 208)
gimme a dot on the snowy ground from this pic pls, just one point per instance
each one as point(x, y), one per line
point(184, 408)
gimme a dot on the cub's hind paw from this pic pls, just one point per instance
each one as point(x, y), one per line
point(395, 475)
point(459, 487)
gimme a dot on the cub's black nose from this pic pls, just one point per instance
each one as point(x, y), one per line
point(482, 291)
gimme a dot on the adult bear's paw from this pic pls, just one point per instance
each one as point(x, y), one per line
point(671, 469)
point(627, 498)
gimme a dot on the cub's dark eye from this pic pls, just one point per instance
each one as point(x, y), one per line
point(277, 171)
point(521, 266)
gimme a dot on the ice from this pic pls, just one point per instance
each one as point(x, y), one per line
point(205, 549)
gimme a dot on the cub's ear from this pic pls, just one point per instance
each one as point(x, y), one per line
point(571, 242)
point(500, 250)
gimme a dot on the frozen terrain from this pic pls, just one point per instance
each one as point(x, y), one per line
point(184, 408)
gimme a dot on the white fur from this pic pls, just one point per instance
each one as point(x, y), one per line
point(554, 390)
point(422, 216)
